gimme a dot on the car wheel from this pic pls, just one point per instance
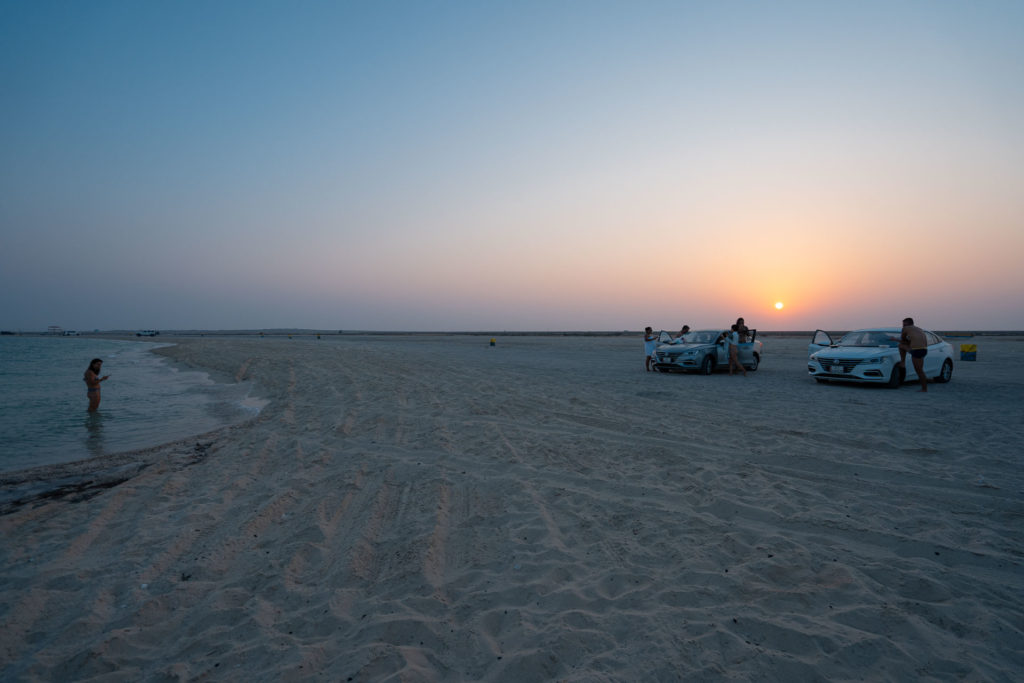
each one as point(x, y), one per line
point(946, 373)
point(896, 378)
point(707, 366)
point(753, 366)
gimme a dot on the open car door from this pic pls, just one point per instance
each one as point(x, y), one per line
point(746, 349)
point(933, 361)
point(821, 340)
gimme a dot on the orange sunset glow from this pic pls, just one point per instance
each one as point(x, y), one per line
point(493, 174)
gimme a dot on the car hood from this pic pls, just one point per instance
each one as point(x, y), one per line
point(856, 351)
point(683, 347)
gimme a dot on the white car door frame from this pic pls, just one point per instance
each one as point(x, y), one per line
point(820, 340)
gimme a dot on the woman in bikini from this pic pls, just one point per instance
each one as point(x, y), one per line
point(92, 381)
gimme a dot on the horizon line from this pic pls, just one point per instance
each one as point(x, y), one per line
point(354, 332)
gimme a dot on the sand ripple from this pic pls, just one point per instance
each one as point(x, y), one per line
point(436, 509)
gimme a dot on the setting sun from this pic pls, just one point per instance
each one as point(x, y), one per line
point(778, 305)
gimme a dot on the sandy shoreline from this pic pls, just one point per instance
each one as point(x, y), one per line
point(435, 509)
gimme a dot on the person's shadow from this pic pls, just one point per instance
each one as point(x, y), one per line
point(94, 433)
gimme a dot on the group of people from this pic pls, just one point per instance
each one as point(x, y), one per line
point(912, 341)
point(736, 335)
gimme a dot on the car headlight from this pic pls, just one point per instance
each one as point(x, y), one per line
point(875, 361)
point(691, 352)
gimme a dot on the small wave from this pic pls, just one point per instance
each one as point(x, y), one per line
point(253, 406)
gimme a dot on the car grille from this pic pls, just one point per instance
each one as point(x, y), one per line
point(665, 356)
point(848, 364)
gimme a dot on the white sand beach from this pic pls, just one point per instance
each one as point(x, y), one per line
point(418, 508)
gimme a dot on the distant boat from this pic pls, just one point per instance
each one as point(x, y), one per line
point(147, 333)
point(70, 333)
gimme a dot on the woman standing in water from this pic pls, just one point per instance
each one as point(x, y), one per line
point(92, 381)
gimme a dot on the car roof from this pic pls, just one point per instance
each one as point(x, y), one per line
point(878, 329)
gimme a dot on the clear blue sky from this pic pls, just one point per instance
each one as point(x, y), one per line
point(521, 166)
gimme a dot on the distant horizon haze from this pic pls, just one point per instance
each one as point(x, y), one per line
point(172, 332)
point(526, 166)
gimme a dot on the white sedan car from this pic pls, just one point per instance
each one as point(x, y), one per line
point(872, 356)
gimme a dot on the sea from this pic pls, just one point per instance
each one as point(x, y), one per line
point(147, 401)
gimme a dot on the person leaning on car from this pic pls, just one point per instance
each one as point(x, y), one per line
point(913, 339)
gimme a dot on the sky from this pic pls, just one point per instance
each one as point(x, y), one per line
point(558, 165)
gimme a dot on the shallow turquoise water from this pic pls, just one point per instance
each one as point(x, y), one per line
point(147, 401)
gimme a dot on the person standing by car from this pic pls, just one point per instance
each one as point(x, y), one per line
point(92, 382)
point(682, 332)
point(650, 344)
point(913, 339)
point(742, 330)
point(732, 341)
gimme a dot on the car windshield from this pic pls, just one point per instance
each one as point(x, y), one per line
point(702, 337)
point(870, 338)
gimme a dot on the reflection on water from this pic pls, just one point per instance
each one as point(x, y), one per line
point(94, 433)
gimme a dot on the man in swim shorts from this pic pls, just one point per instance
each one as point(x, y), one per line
point(913, 339)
